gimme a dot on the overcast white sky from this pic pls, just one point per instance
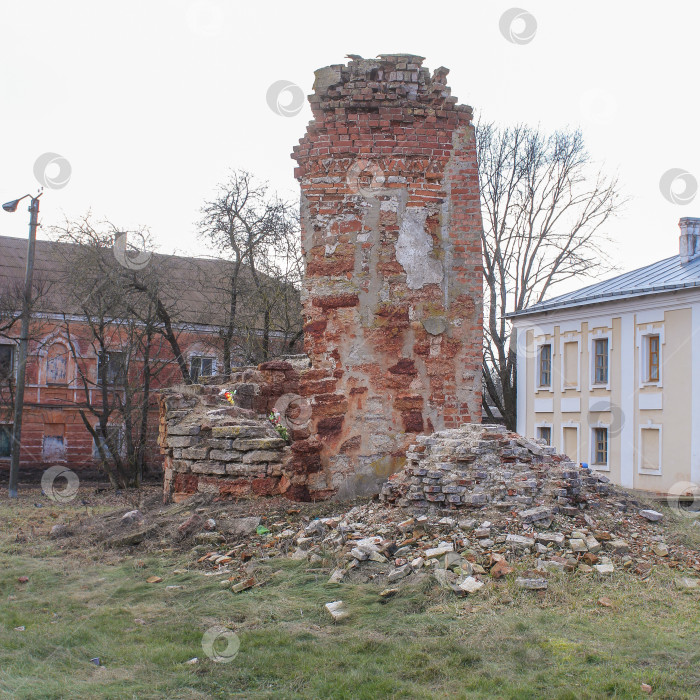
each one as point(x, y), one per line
point(151, 102)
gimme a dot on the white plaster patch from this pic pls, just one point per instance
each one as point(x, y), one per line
point(435, 345)
point(414, 248)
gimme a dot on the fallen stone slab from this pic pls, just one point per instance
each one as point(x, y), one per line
point(592, 544)
point(534, 514)
point(519, 541)
point(337, 576)
point(551, 537)
point(470, 585)
point(618, 546)
point(438, 551)
point(399, 573)
point(660, 549)
point(337, 610)
point(501, 568)
point(243, 585)
point(651, 515)
point(240, 527)
point(604, 568)
point(531, 584)
point(686, 583)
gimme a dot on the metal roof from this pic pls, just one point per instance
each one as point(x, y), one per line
point(664, 276)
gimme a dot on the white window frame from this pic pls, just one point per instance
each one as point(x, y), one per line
point(650, 472)
point(592, 337)
point(570, 338)
point(203, 356)
point(538, 350)
point(545, 424)
point(577, 427)
point(592, 449)
point(643, 354)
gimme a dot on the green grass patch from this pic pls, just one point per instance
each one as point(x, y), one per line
point(423, 643)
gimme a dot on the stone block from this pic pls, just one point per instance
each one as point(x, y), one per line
point(195, 453)
point(257, 456)
point(269, 443)
point(182, 441)
point(226, 455)
point(208, 467)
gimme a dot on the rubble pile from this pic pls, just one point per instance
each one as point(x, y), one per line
point(473, 505)
point(477, 465)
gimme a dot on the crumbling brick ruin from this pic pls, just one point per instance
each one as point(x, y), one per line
point(391, 234)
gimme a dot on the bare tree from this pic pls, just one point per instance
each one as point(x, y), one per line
point(121, 326)
point(544, 206)
point(256, 233)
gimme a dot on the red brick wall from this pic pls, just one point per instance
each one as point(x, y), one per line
point(391, 232)
point(52, 408)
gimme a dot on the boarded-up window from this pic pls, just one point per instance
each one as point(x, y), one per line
point(650, 449)
point(571, 443)
point(570, 364)
point(53, 447)
point(56, 364)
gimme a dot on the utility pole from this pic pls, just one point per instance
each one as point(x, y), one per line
point(23, 339)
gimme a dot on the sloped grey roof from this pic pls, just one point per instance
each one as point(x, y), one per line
point(664, 276)
point(195, 290)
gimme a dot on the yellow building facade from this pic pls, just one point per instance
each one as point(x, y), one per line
point(610, 374)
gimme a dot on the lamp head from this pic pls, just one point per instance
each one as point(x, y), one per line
point(11, 206)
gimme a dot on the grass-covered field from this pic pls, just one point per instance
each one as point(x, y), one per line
point(422, 643)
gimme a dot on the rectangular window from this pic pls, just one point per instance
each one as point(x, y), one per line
point(600, 446)
point(7, 361)
point(5, 440)
point(546, 365)
point(545, 433)
point(600, 351)
point(653, 354)
point(570, 365)
point(114, 441)
point(650, 449)
point(115, 372)
point(201, 367)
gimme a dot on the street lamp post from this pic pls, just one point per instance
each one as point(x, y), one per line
point(23, 336)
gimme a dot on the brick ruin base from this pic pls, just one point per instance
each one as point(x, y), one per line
point(392, 293)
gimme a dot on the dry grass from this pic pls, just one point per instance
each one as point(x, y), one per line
point(423, 643)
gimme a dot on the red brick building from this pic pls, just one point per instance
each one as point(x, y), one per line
point(67, 372)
